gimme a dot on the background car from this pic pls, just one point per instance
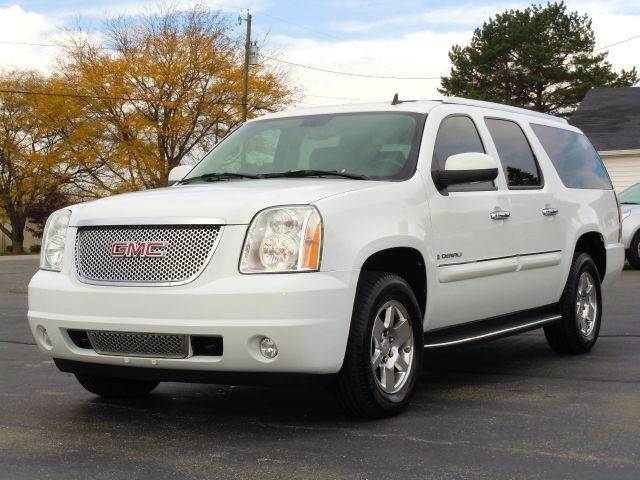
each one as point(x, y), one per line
point(630, 212)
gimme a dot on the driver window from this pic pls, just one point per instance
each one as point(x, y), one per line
point(458, 134)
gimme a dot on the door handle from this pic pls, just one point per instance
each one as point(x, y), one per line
point(499, 215)
point(549, 211)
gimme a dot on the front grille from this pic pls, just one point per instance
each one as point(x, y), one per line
point(187, 250)
point(139, 344)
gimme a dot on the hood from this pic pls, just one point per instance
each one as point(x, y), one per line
point(224, 202)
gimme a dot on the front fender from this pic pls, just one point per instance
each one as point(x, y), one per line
point(360, 223)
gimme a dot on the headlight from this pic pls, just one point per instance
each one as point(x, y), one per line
point(283, 239)
point(53, 240)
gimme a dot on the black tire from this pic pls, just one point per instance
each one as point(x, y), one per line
point(116, 387)
point(356, 387)
point(633, 254)
point(566, 336)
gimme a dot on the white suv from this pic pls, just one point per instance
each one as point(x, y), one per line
point(335, 243)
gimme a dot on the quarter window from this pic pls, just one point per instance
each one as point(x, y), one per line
point(574, 158)
point(518, 161)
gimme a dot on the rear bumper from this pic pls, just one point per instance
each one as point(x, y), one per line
point(307, 315)
point(615, 264)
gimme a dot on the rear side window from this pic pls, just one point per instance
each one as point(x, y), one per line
point(573, 156)
point(518, 161)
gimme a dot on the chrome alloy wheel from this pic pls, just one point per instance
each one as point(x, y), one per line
point(392, 348)
point(586, 304)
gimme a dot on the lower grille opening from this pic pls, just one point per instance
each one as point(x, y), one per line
point(136, 344)
point(207, 346)
point(80, 338)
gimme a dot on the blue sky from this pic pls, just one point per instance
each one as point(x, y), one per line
point(380, 37)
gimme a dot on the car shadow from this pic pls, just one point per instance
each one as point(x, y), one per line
point(193, 407)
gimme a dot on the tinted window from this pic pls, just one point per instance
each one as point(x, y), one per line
point(456, 135)
point(631, 195)
point(515, 154)
point(573, 156)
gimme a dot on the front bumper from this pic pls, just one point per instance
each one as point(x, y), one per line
point(306, 314)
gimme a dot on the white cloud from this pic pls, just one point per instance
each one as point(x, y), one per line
point(18, 25)
point(420, 54)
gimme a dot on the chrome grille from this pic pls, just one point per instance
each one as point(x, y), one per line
point(139, 344)
point(188, 250)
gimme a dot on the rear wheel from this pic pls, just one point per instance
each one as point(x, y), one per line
point(116, 387)
point(384, 350)
point(633, 254)
point(581, 306)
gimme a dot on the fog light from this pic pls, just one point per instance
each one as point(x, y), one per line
point(268, 348)
point(43, 337)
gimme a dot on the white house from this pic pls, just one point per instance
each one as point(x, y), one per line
point(611, 119)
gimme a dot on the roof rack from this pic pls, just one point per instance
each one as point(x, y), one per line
point(504, 108)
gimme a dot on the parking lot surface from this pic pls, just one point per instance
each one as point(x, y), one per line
point(505, 409)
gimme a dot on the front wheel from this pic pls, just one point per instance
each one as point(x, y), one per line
point(384, 350)
point(581, 307)
point(116, 387)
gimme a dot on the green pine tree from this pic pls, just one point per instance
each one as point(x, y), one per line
point(540, 58)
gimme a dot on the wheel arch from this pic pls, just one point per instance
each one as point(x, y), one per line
point(406, 262)
point(592, 243)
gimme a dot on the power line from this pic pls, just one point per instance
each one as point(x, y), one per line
point(30, 44)
point(617, 43)
point(310, 67)
point(104, 97)
point(348, 74)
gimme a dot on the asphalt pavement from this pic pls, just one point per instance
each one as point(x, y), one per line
point(506, 409)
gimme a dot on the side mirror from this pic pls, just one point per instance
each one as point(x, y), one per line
point(466, 168)
point(178, 173)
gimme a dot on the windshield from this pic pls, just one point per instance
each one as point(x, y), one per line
point(380, 145)
point(631, 195)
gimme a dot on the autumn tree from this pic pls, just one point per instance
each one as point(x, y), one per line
point(541, 58)
point(40, 152)
point(164, 87)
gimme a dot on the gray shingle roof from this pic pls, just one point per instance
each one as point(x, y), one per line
point(610, 117)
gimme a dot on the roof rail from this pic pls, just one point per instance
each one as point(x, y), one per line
point(504, 108)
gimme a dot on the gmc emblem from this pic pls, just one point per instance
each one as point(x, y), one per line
point(138, 249)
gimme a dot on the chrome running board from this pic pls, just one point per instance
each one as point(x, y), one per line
point(488, 329)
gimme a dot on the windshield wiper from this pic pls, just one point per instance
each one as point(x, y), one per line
point(314, 173)
point(212, 177)
point(629, 203)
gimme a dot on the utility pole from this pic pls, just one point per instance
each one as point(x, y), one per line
point(245, 78)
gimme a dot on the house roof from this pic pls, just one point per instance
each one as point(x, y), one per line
point(610, 117)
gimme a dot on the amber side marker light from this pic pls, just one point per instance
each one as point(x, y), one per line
point(312, 240)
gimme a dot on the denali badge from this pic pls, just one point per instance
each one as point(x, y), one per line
point(138, 249)
point(449, 255)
